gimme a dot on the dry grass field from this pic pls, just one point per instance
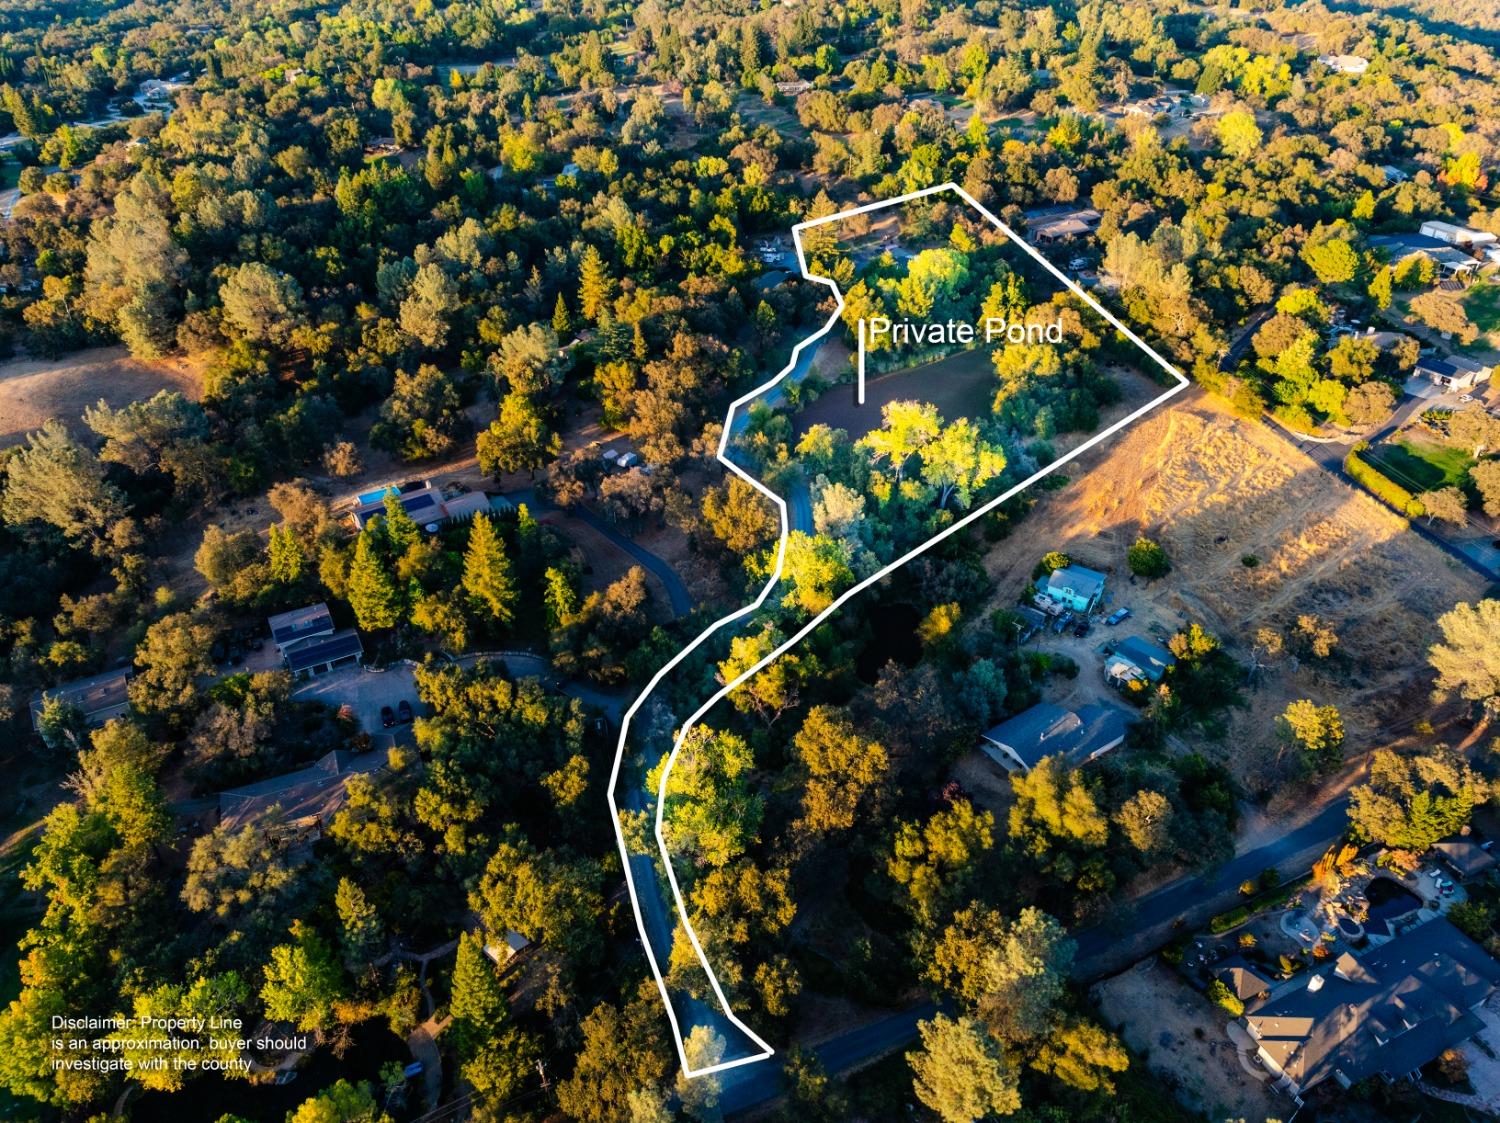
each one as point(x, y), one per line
point(1258, 535)
point(33, 390)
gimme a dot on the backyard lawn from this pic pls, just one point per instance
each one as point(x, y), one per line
point(1482, 303)
point(1421, 465)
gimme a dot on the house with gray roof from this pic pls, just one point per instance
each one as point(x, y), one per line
point(1137, 660)
point(99, 698)
point(1244, 981)
point(1465, 857)
point(1048, 729)
point(1384, 1013)
point(1077, 587)
point(1449, 260)
point(306, 799)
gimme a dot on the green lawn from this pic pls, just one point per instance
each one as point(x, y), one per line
point(1482, 303)
point(1421, 466)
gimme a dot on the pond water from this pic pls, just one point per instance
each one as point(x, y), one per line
point(205, 1099)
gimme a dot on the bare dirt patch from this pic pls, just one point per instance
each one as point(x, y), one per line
point(1185, 1044)
point(1258, 534)
point(34, 390)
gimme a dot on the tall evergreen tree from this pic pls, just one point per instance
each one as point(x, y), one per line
point(561, 322)
point(487, 576)
point(594, 285)
point(360, 929)
point(287, 560)
point(372, 593)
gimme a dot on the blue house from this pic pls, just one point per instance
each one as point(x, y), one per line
point(1077, 587)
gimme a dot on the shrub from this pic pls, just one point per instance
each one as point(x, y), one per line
point(1147, 559)
point(1227, 920)
point(1384, 489)
point(1051, 561)
point(1249, 561)
point(1225, 998)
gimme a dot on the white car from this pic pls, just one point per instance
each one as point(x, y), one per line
point(1466, 398)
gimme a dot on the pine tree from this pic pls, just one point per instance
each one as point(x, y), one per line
point(478, 1005)
point(360, 929)
point(559, 597)
point(560, 320)
point(594, 285)
point(287, 560)
point(372, 593)
point(487, 577)
point(401, 530)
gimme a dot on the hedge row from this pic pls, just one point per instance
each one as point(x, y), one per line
point(1383, 488)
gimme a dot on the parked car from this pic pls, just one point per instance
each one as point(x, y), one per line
point(403, 712)
point(1116, 616)
point(387, 717)
point(1466, 398)
point(1083, 628)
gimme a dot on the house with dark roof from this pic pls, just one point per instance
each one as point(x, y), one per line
point(1465, 857)
point(317, 655)
point(1050, 730)
point(306, 800)
point(309, 643)
point(299, 624)
point(1137, 660)
point(99, 698)
point(1384, 1013)
point(1076, 587)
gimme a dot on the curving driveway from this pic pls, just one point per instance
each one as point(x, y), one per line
point(677, 592)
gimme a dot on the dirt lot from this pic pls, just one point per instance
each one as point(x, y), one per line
point(1216, 490)
point(1184, 1042)
point(33, 390)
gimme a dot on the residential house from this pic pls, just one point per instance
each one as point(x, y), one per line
point(306, 800)
point(1465, 857)
point(1447, 258)
point(1456, 235)
point(1050, 730)
point(423, 502)
point(99, 698)
point(1345, 64)
point(1137, 660)
point(1453, 372)
point(1244, 981)
point(514, 945)
point(310, 645)
point(1385, 1012)
point(1061, 224)
point(1076, 587)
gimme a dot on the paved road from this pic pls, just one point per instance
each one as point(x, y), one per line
point(1104, 950)
point(799, 512)
point(752, 1085)
point(1242, 342)
point(677, 592)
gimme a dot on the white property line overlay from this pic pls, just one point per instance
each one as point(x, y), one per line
point(775, 577)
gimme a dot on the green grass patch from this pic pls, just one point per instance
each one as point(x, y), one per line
point(1421, 466)
point(1482, 303)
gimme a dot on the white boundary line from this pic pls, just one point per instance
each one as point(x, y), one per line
point(953, 528)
